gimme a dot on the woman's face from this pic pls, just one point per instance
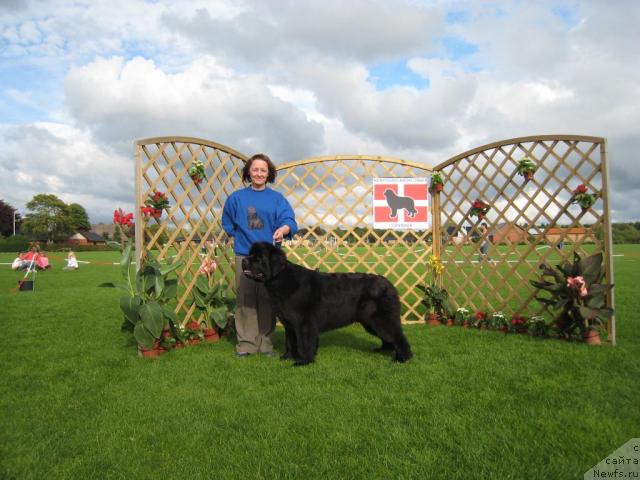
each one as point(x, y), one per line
point(259, 172)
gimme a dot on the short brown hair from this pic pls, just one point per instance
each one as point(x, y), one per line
point(271, 177)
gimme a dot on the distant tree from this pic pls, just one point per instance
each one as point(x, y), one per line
point(78, 217)
point(47, 219)
point(6, 219)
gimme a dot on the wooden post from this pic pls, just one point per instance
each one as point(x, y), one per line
point(606, 228)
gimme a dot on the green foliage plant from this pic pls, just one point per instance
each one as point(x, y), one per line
point(213, 299)
point(497, 321)
point(537, 326)
point(526, 165)
point(461, 316)
point(436, 179)
point(436, 298)
point(575, 291)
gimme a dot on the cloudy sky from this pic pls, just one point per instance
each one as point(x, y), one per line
point(423, 80)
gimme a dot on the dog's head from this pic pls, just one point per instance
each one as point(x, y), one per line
point(264, 262)
point(389, 193)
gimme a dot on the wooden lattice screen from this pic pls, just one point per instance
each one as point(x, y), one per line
point(529, 222)
point(332, 200)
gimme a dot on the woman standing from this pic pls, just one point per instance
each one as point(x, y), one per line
point(255, 214)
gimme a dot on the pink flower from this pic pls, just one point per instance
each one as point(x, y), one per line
point(577, 283)
point(208, 267)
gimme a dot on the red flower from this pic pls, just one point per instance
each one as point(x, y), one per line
point(517, 320)
point(481, 315)
point(581, 189)
point(120, 218)
point(147, 211)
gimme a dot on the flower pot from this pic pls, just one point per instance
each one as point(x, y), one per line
point(528, 176)
point(438, 187)
point(433, 319)
point(193, 341)
point(466, 324)
point(210, 335)
point(156, 214)
point(143, 352)
point(481, 216)
point(449, 322)
point(591, 337)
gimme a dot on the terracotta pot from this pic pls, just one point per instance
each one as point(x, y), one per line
point(433, 319)
point(528, 176)
point(210, 335)
point(449, 322)
point(591, 337)
point(193, 341)
point(466, 324)
point(143, 352)
point(438, 187)
point(156, 214)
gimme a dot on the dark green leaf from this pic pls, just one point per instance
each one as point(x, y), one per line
point(143, 336)
point(152, 318)
point(170, 268)
point(130, 306)
point(125, 260)
point(170, 289)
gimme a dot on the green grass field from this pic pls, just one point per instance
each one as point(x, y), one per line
point(76, 402)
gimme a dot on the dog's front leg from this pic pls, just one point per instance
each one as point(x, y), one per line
point(307, 337)
point(290, 343)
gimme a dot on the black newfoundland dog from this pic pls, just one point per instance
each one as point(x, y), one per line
point(308, 302)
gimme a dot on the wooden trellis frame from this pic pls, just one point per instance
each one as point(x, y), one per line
point(489, 173)
point(332, 199)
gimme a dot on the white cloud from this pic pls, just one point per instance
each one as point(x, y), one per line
point(293, 79)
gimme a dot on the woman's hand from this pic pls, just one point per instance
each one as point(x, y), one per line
point(279, 234)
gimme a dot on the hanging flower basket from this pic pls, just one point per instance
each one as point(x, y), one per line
point(196, 172)
point(527, 168)
point(154, 205)
point(582, 197)
point(437, 184)
point(479, 209)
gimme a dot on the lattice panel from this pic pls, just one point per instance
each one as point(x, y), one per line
point(538, 214)
point(331, 197)
point(332, 200)
point(191, 229)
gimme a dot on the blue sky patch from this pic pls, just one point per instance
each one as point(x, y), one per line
point(387, 75)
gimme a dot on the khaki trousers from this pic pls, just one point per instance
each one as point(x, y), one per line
point(255, 321)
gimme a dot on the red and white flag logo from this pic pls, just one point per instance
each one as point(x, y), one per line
point(401, 203)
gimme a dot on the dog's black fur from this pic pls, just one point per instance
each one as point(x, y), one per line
point(308, 302)
point(396, 202)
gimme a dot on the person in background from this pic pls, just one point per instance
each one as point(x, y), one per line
point(255, 213)
point(72, 261)
point(484, 239)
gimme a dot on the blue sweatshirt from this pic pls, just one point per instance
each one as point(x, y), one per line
point(252, 216)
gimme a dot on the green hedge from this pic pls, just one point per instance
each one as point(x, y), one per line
point(20, 243)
